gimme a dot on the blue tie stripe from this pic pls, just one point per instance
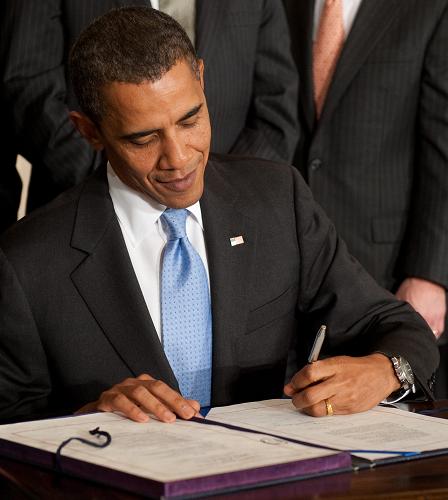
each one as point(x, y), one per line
point(186, 311)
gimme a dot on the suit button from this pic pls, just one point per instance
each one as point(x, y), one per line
point(315, 164)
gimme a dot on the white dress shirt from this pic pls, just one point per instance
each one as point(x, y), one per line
point(183, 11)
point(349, 10)
point(139, 218)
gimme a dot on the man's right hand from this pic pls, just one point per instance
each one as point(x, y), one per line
point(136, 397)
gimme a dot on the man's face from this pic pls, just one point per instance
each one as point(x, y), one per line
point(157, 135)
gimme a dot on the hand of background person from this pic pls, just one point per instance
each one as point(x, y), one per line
point(428, 299)
point(136, 397)
point(350, 384)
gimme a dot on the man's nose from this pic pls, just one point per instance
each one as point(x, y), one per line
point(175, 152)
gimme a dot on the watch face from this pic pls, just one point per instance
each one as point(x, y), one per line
point(407, 371)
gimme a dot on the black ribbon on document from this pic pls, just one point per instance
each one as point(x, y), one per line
point(97, 444)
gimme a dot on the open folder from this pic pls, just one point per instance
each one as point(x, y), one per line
point(235, 447)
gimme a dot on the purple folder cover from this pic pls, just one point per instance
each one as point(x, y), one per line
point(241, 479)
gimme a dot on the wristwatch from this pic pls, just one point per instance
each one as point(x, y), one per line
point(404, 373)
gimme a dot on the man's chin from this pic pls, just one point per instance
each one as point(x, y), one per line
point(181, 202)
point(176, 199)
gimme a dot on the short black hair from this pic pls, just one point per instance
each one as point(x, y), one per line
point(130, 45)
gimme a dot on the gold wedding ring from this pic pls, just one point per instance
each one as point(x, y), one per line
point(329, 408)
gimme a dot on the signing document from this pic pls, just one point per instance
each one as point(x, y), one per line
point(380, 429)
point(234, 447)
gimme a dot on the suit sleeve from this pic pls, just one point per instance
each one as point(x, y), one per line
point(361, 316)
point(24, 380)
point(425, 246)
point(34, 80)
point(271, 130)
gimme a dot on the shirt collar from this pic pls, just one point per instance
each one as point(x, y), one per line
point(138, 212)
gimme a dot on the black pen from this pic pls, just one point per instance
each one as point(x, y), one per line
point(318, 341)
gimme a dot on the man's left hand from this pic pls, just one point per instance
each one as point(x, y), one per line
point(428, 299)
point(349, 384)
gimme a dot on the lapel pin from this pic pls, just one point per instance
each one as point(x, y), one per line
point(236, 240)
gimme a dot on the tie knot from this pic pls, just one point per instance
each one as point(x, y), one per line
point(173, 220)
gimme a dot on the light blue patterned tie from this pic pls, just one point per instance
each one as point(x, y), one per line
point(186, 311)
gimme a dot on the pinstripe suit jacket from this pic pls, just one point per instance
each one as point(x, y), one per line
point(250, 78)
point(377, 160)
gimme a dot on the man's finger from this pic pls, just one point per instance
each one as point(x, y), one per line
point(320, 409)
point(117, 401)
point(182, 407)
point(144, 396)
point(311, 374)
point(135, 401)
point(439, 325)
point(307, 376)
point(195, 405)
point(313, 395)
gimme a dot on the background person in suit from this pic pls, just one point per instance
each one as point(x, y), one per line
point(377, 156)
point(10, 183)
point(80, 317)
point(251, 84)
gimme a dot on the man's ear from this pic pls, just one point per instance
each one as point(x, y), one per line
point(201, 71)
point(87, 129)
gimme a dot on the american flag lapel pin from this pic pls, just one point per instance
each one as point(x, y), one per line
point(236, 240)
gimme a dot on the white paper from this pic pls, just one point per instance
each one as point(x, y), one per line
point(381, 428)
point(159, 451)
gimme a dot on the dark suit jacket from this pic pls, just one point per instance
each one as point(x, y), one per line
point(73, 320)
point(10, 183)
point(377, 160)
point(250, 78)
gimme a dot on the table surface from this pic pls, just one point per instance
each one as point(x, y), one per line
point(419, 479)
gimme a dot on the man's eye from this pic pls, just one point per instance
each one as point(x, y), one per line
point(142, 143)
point(189, 124)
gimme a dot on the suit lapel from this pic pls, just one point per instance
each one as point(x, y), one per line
point(230, 269)
point(107, 283)
point(372, 21)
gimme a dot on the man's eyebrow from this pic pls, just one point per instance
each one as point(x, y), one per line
point(144, 133)
point(194, 111)
point(138, 135)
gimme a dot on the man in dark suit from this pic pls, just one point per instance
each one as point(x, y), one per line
point(80, 321)
point(251, 84)
point(10, 183)
point(376, 158)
